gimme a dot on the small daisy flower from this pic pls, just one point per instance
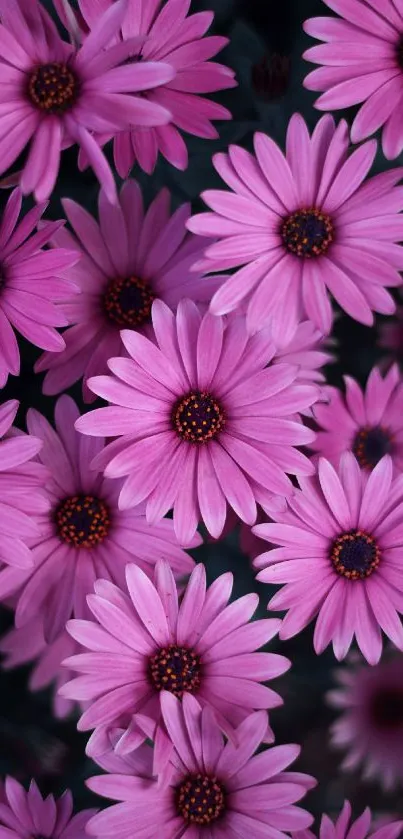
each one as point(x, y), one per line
point(28, 645)
point(32, 282)
point(178, 39)
point(126, 261)
point(27, 815)
point(215, 790)
point(369, 423)
point(361, 62)
point(370, 726)
point(308, 349)
point(201, 420)
point(23, 497)
point(83, 535)
point(146, 642)
point(303, 225)
point(339, 555)
point(361, 827)
point(390, 337)
point(53, 95)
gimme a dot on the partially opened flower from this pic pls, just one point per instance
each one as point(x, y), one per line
point(177, 39)
point(339, 555)
point(53, 95)
point(131, 258)
point(215, 790)
point(83, 535)
point(144, 642)
point(302, 225)
point(362, 62)
point(369, 729)
point(27, 814)
point(369, 423)
point(308, 349)
point(201, 420)
point(23, 497)
point(344, 827)
point(32, 282)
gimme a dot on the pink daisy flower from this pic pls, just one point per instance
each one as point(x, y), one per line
point(26, 814)
point(53, 95)
point(131, 258)
point(28, 645)
point(301, 225)
point(23, 497)
point(390, 337)
point(340, 548)
point(370, 726)
point(177, 39)
point(360, 828)
point(83, 535)
point(146, 641)
point(362, 62)
point(32, 282)
point(369, 423)
point(308, 349)
point(215, 790)
point(201, 420)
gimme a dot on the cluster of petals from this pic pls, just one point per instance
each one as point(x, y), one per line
point(361, 64)
point(143, 641)
point(172, 36)
point(201, 420)
point(302, 225)
point(79, 534)
point(54, 94)
point(339, 557)
point(346, 828)
point(26, 813)
point(23, 497)
point(369, 726)
point(369, 423)
point(126, 261)
point(32, 282)
point(248, 794)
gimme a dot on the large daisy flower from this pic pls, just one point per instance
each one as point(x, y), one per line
point(339, 555)
point(32, 282)
point(83, 535)
point(146, 642)
point(215, 790)
point(369, 423)
point(53, 94)
point(362, 62)
point(200, 420)
point(369, 728)
point(301, 225)
point(173, 36)
point(126, 261)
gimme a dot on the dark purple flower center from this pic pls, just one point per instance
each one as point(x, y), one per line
point(53, 88)
point(355, 555)
point(127, 303)
point(386, 708)
point(370, 445)
point(200, 799)
point(82, 521)
point(307, 232)
point(176, 669)
point(198, 417)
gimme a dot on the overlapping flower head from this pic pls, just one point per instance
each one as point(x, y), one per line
point(26, 813)
point(369, 726)
point(301, 225)
point(346, 828)
point(54, 94)
point(202, 421)
point(215, 789)
point(362, 64)
point(339, 555)
point(173, 36)
point(129, 259)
